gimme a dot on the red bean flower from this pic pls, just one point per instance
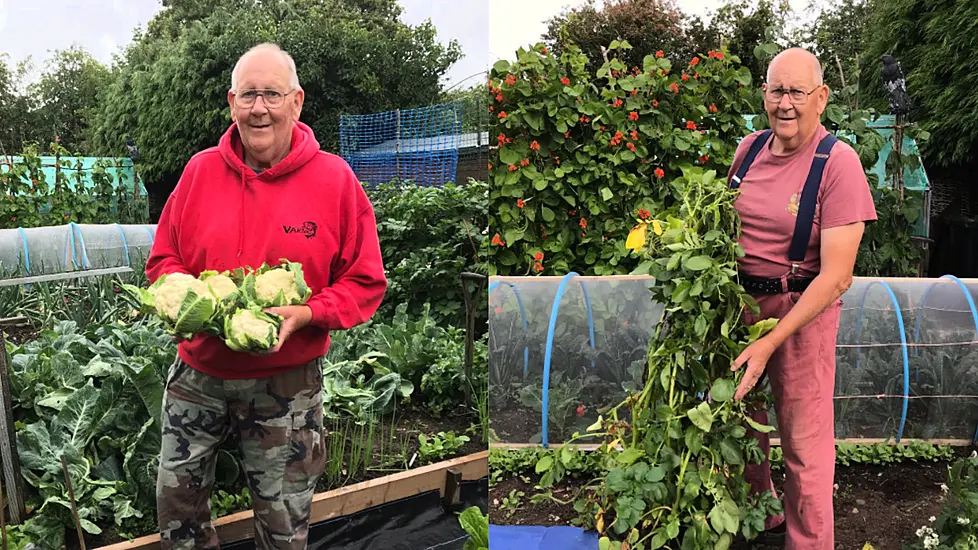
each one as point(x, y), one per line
point(633, 115)
point(660, 173)
point(565, 81)
point(690, 125)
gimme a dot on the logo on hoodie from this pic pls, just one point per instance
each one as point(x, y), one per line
point(307, 228)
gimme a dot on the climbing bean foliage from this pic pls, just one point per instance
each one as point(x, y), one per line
point(675, 452)
point(580, 152)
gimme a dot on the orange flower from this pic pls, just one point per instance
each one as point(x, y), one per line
point(634, 135)
point(520, 203)
point(538, 266)
point(713, 108)
point(525, 162)
point(685, 77)
point(690, 125)
point(704, 158)
point(535, 146)
point(695, 61)
point(511, 79)
point(496, 240)
point(660, 173)
point(513, 168)
point(659, 54)
point(501, 140)
point(674, 87)
point(499, 97)
point(490, 166)
point(655, 102)
point(565, 81)
point(538, 257)
point(502, 114)
point(583, 223)
point(633, 115)
point(644, 214)
point(631, 146)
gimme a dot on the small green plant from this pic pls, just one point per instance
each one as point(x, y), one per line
point(956, 528)
point(440, 445)
point(224, 503)
point(512, 502)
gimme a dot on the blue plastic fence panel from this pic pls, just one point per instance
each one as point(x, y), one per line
point(513, 537)
point(418, 146)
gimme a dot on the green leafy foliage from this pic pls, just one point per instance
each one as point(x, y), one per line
point(31, 200)
point(956, 528)
point(422, 352)
point(428, 237)
point(477, 526)
point(351, 57)
point(581, 154)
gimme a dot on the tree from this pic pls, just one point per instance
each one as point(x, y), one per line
point(66, 95)
point(742, 25)
point(16, 107)
point(647, 25)
point(933, 41)
point(170, 93)
point(837, 39)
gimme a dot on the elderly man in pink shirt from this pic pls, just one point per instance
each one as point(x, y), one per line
point(804, 202)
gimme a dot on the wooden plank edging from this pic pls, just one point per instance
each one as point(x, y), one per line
point(775, 442)
point(345, 500)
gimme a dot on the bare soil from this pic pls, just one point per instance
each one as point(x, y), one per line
point(881, 505)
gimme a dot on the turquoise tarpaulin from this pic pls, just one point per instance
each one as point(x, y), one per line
point(122, 170)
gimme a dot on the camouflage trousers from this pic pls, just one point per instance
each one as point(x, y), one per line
point(279, 424)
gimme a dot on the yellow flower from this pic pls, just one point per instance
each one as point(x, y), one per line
point(657, 227)
point(636, 238)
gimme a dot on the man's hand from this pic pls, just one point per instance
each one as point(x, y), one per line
point(756, 357)
point(293, 319)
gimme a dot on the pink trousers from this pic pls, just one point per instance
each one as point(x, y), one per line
point(802, 375)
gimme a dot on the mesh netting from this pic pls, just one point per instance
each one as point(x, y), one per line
point(585, 358)
point(73, 247)
point(417, 146)
point(906, 357)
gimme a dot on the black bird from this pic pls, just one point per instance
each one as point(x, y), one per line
point(133, 151)
point(896, 85)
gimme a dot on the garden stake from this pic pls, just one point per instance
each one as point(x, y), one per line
point(3, 520)
point(470, 327)
point(74, 508)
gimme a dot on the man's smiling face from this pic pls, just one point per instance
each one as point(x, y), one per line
point(794, 122)
point(266, 131)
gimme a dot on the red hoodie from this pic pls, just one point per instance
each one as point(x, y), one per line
point(309, 208)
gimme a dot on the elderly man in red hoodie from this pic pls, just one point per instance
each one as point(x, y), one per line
point(265, 192)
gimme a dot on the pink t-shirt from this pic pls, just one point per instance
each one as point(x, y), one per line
point(769, 201)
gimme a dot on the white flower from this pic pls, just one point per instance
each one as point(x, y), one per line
point(964, 521)
point(932, 519)
point(932, 541)
point(944, 488)
point(924, 532)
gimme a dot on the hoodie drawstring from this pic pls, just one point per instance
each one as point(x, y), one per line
point(241, 210)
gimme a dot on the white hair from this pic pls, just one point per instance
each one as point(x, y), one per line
point(267, 47)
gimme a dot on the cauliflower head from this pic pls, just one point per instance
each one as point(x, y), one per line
point(268, 285)
point(221, 285)
point(251, 329)
point(283, 285)
point(170, 294)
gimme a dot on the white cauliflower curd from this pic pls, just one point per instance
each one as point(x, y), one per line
point(170, 294)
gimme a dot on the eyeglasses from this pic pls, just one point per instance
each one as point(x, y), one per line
point(272, 98)
point(796, 97)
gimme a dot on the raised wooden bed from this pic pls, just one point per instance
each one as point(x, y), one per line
point(442, 476)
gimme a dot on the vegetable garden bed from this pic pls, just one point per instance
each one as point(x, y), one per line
point(443, 478)
point(884, 493)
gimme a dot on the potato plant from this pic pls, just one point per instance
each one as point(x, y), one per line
point(675, 451)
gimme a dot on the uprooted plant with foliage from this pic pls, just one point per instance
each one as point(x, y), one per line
point(677, 479)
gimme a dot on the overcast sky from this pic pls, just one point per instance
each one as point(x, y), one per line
point(36, 27)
